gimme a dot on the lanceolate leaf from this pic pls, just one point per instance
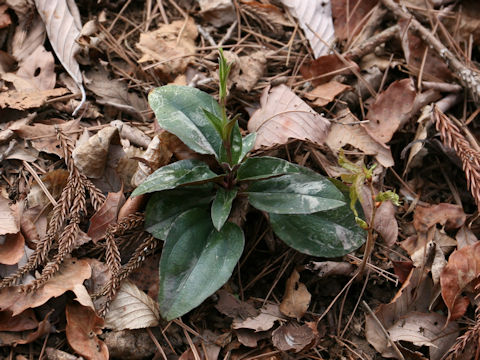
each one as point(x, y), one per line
point(266, 167)
point(221, 206)
point(295, 194)
point(235, 147)
point(196, 261)
point(164, 207)
point(247, 144)
point(180, 110)
point(179, 173)
point(326, 233)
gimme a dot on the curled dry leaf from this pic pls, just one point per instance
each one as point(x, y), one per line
point(261, 322)
point(132, 309)
point(8, 221)
point(170, 45)
point(91, 156)
point(71, 276)
point(106, 215)
point(131, 133)
point(83, 326)
point(391, 109)
point(293, 336)
point(315, 19)
point(12, 249)
point(346, 132)
point(462, 268)
point(296, 298)
point(283, 115)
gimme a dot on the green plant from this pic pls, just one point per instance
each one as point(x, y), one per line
point(191, 203)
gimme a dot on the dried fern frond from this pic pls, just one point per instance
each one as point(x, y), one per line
point(453, 138)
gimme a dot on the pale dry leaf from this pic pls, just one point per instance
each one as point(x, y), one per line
point(325, 93)
point(263, 321)
point(343, 132)
point(283, 115)
point(292, 336)
point(296, 298)
point(83, 326)
point(38, 69)
point(465, 237)
point(171, 45)
point(131, 133)
point(218, 12)
point(12, 249)
point(132, 309)
point(8, 221)
point(325, 269)
point(72, 274)
point(91, 157)
point(63, 30)
point(29, 34)
point(19, 151)
point(315, 19)
point(252, 68)
point(25, 100)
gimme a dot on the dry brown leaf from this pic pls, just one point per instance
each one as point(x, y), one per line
point(18, 338)
point(38, 69)
point(218, 12)
point(296, 298)
point(325, 269)
point(248, 69)
point(326, 67)
point(465, 237)
point(55, 354)
point(292, 336)
point(91, 156)
point(5, 19)
point(250, 338)
point(325, 93)
point(24, 321)
point(100, 276)
point(12, 249)
point(229, 305)
point(132, 309)
point(55, 181)
point(275, 16)
point(106, 215)
point(315, 19)
point(342, 133)
point(130, 344)
point(71, 276)
point(131, 133)
point(19, 151)
point(166, 47)
point(283, 115)
point(8, 221)
point(83, 326)
point(349, 16)
point(462, 268)
point(449, 215)
point(262, 322)
point(24, 100)
point(63, 30)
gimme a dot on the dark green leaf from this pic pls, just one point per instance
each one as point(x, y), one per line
point(221, 206)
point(180, 110)
point(266, 167)
point(247, 144)
point(302, 193)
point(165, 206)
point(329, 233)
point(196, 261)
point(215, 121)
point(235, 147)
point(179, 173)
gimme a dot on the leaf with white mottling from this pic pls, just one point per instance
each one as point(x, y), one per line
point(132, 309)
point(315, 19)
point(283, 115)
point(63, 29)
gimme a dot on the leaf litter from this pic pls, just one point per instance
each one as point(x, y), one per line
point(313, 79)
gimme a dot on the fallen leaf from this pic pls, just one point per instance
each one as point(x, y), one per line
point(55, 354)
point(345, 132)
point(251, 69)
point(24, 321)
point(12, 249)
point(350, 16)
point(274, 16)
point(70, 276)
point(8, 222)
point(325, 269)
point(249, 338)
point(171, 46)
point(229, 305)
point(292, 336)
point(296, 298)
point(132, 309)
point(391, 110)
point(218, 12)
point(24, 100)
point(262, 322)
point(106, 215)
point(19, 151)
point(462, 268)
point(323, 69)
point(91, 156)
point(315, 19)
point(38, 69)
point(26, 337)
point(30, 32)
point(131, 133)
point(100, 276)
point(465, 237)
point(55, 181)
point(63, 25)
point(449, 215)
point(283, 115)
point(83, 326)
point(5, 19)
point(130, 344)
point(325, 93)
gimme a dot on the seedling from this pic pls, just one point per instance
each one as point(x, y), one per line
point(192, 202)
